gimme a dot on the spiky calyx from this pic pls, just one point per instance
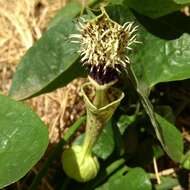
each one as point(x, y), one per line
point(103, 46)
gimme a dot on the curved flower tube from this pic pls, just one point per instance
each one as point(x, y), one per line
point(78, 161)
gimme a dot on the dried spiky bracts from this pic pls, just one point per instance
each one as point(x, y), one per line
point(104, 44)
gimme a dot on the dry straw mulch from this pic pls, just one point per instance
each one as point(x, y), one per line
point(22, 22)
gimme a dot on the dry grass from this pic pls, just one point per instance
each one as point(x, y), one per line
point(22, 22)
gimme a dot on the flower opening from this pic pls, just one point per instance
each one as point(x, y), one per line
point(103, 46)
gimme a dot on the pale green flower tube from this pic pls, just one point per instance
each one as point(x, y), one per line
point(78, 161)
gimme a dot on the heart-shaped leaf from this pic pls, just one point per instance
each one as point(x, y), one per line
point(23, 140)
point(160, 60)
point(136, 179)
point(48, 60)
point(157, 60)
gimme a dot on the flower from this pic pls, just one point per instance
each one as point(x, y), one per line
point(103, 46)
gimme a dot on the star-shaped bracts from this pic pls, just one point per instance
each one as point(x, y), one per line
point(104, 45)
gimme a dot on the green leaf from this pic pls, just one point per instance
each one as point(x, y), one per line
point(172, 139)
point(153, 9)
point(167, 183)
point(182, 1)
point(119, 173)
point(158, 151)
point(116, 2)
point(124, 121)
point(52, 62)
point(167, 112)
point(48, 60)
point(166, 133)
point(185, 162)
point(70, 10)
point(111, 169)
point(136, 179)
point(167, 27)
point(120, 14)
point(105, 144)
point(159, 60)
point(23, 140)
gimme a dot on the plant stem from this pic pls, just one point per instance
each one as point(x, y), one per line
point(94, 126)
